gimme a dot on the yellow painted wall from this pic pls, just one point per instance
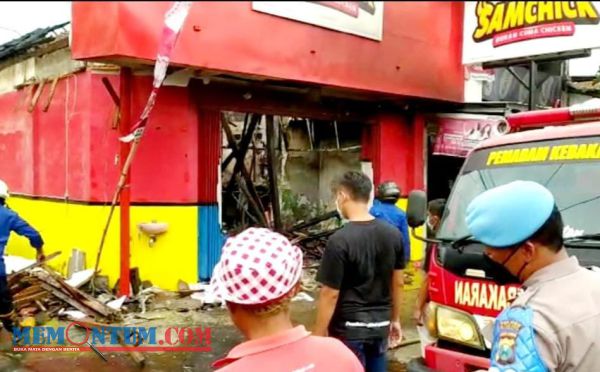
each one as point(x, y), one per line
point(174, 256)
point(66, 226)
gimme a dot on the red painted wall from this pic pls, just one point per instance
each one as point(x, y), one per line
point(16, 142)
point(71, 149)
point(101, 141)
point(419, 56)
point(167, 160)
point(396, 145)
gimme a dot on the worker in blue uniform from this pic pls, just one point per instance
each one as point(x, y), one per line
point(11, 222)
point(384, 208)
point(554, 324)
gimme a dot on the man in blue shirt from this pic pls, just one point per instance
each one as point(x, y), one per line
point(384, 208)
point(10, 221)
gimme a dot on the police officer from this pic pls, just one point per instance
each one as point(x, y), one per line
point(555, 323)
point(384, 208)
point(10, 221)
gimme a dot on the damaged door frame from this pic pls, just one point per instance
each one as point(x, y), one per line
point(259, 99)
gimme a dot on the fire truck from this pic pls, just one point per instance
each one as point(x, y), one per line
point(558, 148)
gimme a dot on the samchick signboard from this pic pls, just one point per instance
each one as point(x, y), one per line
point(499, 30)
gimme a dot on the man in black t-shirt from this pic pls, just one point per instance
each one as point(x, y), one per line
point(361, 277)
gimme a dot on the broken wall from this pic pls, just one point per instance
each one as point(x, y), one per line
point(316, 159)
point(44, 67)
point(310, 155)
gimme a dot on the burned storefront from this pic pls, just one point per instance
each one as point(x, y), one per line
point(250, 126)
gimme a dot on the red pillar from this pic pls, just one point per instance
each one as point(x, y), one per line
point(124, 125)
point(397, 151)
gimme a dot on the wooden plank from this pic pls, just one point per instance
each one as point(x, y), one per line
point(240, 152)
point(30, 94)
point(83, 297)
point(36, 96)
point(50, 94)
point(240, 167)
point(25, 289)
point(111, 91)
point(272, 168)
point(116, 119)
point(74, 297)
point(48, 258)
point(69, 300)
point(232, 146)
point(40, 305)
point(313, 221)
point(33, 297)
point(28, 291)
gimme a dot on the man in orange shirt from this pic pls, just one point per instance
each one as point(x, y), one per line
point(258, 275)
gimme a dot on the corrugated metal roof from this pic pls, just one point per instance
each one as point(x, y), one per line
point(24, 43)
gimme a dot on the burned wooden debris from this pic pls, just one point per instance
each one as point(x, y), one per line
point(311, 236)
point(252, 195)
point(41, 290)
point(39, 294)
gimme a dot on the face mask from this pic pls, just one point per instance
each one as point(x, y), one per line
point(501, 275)
point(429, 224)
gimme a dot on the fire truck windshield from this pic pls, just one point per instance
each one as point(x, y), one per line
point(569, 168)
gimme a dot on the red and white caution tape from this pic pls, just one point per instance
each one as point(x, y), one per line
point(174, 20)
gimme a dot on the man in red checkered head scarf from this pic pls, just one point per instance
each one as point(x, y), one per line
point(257, 276)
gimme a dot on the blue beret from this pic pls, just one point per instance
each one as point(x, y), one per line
point(509, 214)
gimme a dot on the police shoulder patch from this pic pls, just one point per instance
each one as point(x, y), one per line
point(514, 347)
point(507, 342)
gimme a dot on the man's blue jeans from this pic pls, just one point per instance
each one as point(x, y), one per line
point(371, 353)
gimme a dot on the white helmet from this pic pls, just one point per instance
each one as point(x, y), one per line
point(3, 190)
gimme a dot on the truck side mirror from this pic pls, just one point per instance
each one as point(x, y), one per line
point(416, 211)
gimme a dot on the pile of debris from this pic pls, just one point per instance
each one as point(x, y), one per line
point(248, 202)
point(312, 235)
point(40, 292)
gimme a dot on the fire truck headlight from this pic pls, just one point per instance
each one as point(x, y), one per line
point(430, 322)
point(458, 326)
